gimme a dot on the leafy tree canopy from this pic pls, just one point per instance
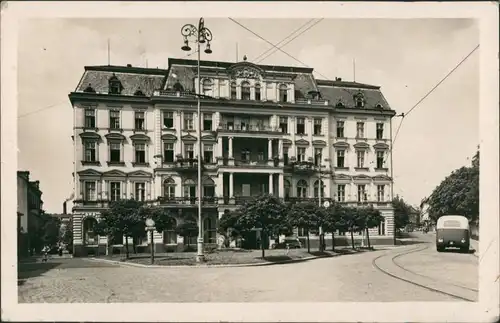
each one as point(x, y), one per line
point(266, 212)
point(305, 215)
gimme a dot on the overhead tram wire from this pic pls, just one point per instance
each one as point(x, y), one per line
point(267, 41)
point(283, 45)
point(41, 109)
point(434, 88)
point(403, 115)
point(281, 41)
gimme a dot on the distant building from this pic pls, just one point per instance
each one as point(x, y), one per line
point(29, 208)
point(265, 129)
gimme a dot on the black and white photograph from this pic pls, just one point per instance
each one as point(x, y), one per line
point(242, 161)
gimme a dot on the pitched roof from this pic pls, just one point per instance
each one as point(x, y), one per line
point(132, 79)
point(184, 72)
point(346, 92)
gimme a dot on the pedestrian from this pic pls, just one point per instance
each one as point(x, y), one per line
point(45, 252)
point(60, 250)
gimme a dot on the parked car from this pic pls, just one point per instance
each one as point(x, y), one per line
point(292, 242)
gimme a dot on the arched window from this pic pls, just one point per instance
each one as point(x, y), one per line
point(257, 92)
point(89, 235)
point(287, 188)
point(169, 188)
point(233, 91)
point(208, 189)
point(190, 190)
point(169, 235)
point(316, 188)
point(302, 188)
point(178, 87)
point(207, 87)
point(283, 97)
point(209, 229)
point(245, 91)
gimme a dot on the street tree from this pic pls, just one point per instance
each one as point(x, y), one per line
point(265, 213)
point(122, 218)
point(50, 230)
point(331, 220)
point(187, 229)
point(351, 220)
point(306, 216)
point(228, 226)
point(402, 211)
point(457, 194)
point(373, 218)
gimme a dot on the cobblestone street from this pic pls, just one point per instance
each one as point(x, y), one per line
point(347, 278)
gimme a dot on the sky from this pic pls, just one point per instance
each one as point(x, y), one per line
point(406, 57)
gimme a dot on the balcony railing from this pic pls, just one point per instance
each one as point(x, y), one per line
point(312, 101)
point(172, 93)
point(246, 162)
point(307, 199)
point(186, 164)
point(302, 167)
point(206, 200)
point(237, 127)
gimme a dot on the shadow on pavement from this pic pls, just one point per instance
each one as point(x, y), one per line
point(470, 251)
point(34, 269)
point(410, 242)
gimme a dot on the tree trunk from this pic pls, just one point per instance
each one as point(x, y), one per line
point(333, 240)
point(262, 244)
point(308, 243)
point(126, 247)
point(352, 239)
point(133, 246)
point(368, 238)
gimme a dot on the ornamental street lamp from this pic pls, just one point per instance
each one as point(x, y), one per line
point(200, 36)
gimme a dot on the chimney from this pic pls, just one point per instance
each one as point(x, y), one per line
point(129, 65)
point(65, 208)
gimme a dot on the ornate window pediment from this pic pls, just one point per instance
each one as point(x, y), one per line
point(90, 135)
point(359, 99)
point(287, 142)
point(319, 143)
point(381, 146)
point(140, 173)
point(139, 92)
point(361, 145)
point(343, 177)
point(341, 144)
point(114, 173)
point(381, 178)
point(362, 177)
point(114, 136)
point(140, 137)
point(188, 138)
point(208, 138)
point(168, 137)
point(245, 70)
point(89, 172)
point(302, 142)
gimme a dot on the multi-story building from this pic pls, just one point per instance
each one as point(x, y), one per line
point(265, 129)
point(29, 208)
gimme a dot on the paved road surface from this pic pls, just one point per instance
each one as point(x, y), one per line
point(346, 278)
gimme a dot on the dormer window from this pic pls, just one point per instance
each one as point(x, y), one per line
point(283, 97)
point(178, 87)
point(233, 91)
point(207, 87)
point(257, 92)
point(340, 105)
point(378, 106)
point(360, 101)
point(245, 91)
point(115, 86)
point(89, 89)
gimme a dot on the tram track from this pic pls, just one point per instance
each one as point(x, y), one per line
point(426, 282)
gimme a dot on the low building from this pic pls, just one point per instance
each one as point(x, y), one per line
point(264, 129)
point(29, 208)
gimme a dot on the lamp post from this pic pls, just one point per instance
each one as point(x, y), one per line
point(200, 36)
point(150, 227)
point(326, 204)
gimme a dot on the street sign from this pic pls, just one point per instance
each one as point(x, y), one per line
point(326, 204)
point(150, 223)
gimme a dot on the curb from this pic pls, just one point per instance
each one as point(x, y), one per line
point(257, 264)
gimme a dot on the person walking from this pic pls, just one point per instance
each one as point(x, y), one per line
point(45, 252)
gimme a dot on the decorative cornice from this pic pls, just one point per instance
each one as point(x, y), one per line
point(319, 143)
point(168, 137)
point(381, 146)
point(189, 138)
point(301, 142)
point(140, 137)
point(361, 145)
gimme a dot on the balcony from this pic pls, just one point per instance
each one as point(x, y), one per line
point(92, 203)
point(312, 101)
point(186, 165)
point(187, 201)
point(302, 167)
point(245, 128)
point(307, 200)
